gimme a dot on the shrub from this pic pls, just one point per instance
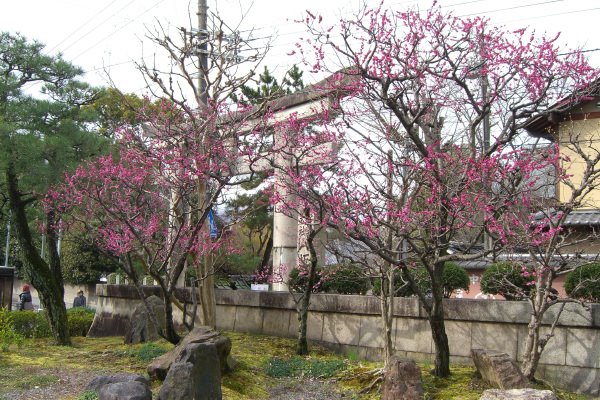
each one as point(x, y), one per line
point(345, 279)
point(80, 320)
point(454, 277)
point(298, 281)
point(33, 324)
point(506, 279)
point(8, 335)
point(584, 283)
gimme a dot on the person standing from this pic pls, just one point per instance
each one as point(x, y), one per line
point(25, 299)
point(79, 301)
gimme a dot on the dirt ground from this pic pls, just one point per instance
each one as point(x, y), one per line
point(72, 383)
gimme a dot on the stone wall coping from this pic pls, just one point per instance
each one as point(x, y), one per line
point(499, 311)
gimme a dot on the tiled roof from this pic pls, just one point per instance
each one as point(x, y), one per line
point(583, 218)
point(589, 217)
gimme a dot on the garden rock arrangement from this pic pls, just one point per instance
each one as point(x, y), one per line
point(141, 329)
point(498, 369)
point(159, 368)
point(402, 381)
point(518, 394)
point(121, 387)
point(196, 374)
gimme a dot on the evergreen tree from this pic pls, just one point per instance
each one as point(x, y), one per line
point(40, 137)
point(268, 88)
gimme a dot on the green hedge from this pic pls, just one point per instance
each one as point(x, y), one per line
point(33, 324)
point(584, 283)
point(8, 335)
point(80, 320)
point(345, 279)
point(454, 277)
point(337, 278)
point(506, 279)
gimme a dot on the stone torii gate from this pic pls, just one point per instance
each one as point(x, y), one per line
point(308, 104)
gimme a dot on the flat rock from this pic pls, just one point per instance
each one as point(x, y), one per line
point(518, 394)
point(99, 381)
point(131, 390)
point(498, 369)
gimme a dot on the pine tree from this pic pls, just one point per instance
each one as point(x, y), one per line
point(40, 137)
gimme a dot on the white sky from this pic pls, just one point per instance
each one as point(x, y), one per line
point(110, 33)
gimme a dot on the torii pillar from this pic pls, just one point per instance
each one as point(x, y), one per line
point(310, 103)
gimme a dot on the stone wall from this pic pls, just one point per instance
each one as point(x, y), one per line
point(351, 323)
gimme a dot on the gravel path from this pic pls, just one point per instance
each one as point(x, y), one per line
point(304, 389)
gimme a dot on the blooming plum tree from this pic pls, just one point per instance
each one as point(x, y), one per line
point(149, 202)
point(432, 138)
point(141, 204)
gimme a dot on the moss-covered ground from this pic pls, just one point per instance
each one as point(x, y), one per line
point(263, 363)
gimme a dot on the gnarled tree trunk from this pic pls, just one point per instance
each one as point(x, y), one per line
point(46, 277)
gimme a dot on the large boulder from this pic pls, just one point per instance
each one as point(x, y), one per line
point(518, 394)
point(498, 369)
point(131, 390)
point(402, 381)
point(98, 382)
point(141, 328)
point(195, 375)
point(159, 367)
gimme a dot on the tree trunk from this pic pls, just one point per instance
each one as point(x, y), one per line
point(170, 334)
point(540, 303)
point(56, 312)
point(437, 324)
point(302, 346)
point(440, 340)
point(208, 301)
point(386, 302)
point(47, 281)
point(267, 254)
point(531, 355)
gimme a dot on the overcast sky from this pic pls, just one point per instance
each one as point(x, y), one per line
point(107, 35)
